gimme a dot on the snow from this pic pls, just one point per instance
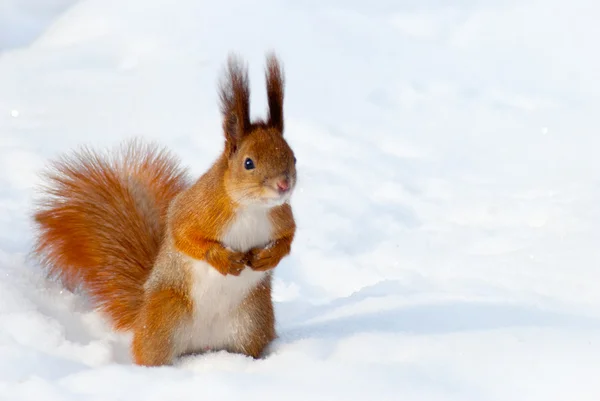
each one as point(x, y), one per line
point(447, 204)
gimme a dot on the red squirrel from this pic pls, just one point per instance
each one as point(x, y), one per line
point(186, 267)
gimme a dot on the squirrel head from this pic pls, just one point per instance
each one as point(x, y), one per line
point(261, 165)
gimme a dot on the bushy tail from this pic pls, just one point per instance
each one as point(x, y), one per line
point(101, 220)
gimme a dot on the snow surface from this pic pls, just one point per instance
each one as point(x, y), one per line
point(448, 203)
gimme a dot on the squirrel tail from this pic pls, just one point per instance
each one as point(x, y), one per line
point(101, 219)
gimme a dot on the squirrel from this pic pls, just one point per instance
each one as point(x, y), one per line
point(185, 266)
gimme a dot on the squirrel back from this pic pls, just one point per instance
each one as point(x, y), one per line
point(102, 221)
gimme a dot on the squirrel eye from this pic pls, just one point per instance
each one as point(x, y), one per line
point(248, 164)
point(294, 159)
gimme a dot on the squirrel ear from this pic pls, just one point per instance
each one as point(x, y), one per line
point(234, 93)
point(275, 84)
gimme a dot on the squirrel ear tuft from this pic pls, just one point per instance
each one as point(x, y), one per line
point(275, 89)
point(234, 93)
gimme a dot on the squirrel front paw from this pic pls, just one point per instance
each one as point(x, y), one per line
point(226, 261)
point(237, 263)
point(262, 259)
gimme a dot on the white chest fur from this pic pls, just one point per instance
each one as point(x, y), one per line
point(216, 321)
point(250, 228)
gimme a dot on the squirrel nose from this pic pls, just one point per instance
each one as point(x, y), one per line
point(283, 185)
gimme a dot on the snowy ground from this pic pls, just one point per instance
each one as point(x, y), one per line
point(448, 208)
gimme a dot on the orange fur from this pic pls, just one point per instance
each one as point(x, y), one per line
point(102, 221)
point(161, 313)
point(198, 216)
